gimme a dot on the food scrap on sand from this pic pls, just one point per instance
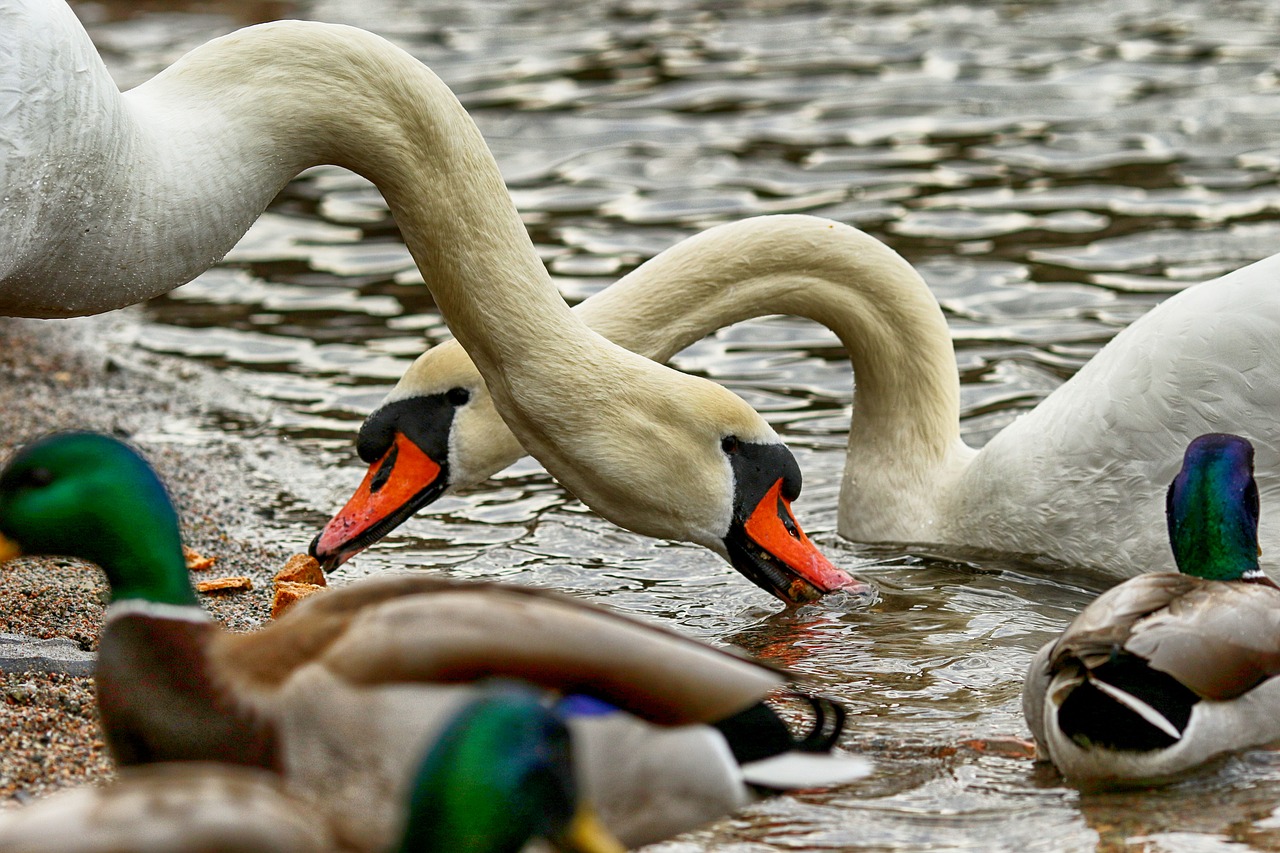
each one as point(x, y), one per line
point(197, 562)
point(228, 584)
point(300, 577)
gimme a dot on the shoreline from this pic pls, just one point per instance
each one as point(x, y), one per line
point(84, 374)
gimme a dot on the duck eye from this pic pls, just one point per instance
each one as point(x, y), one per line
point(729, 444)
point(37, 478)
point(457, 396)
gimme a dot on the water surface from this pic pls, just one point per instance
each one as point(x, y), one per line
point(1053, 169)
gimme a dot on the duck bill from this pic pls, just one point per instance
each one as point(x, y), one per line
point(399, 484)
point(586, 834)
point(9, 550)
point(775, 554)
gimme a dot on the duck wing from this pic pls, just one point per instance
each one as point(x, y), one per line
point(1220, 639)
point(170, 808)
point(1104, 627)
point(417, 629)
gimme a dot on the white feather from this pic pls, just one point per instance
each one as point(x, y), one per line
point(794, 770)
point(1133, 703)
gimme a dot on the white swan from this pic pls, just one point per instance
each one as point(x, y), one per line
point(112, 198)
point(1080, 479)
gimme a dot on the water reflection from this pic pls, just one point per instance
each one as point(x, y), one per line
point(1052, 169)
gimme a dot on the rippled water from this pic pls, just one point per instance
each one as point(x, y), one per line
point(1052, 168)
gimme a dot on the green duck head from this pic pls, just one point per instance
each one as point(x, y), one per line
point(499, 776)
point(91, 496)
point(1212, 510)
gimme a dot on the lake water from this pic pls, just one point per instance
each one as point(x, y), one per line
point(1053, 169)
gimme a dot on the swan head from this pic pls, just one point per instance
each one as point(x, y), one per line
point(726, 481)
point(436, 432)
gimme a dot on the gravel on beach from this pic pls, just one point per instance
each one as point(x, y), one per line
point(83, 374)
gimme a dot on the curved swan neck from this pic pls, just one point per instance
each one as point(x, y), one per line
point(357, 101)
point(907, 386)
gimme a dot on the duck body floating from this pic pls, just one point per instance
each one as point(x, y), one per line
point(500, 774)
point(1169, 670)
point(341, 694)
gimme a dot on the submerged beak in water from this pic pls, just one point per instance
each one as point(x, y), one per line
point(774, 553)
point(396, 486)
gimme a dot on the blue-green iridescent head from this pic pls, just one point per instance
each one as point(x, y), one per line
point(500, 775)
point(86, 495)
point(1212, 510)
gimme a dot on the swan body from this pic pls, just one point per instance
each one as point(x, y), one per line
point(340, 695)
point(110, 199)
point(114, 198)
point(1077, 479)
point(1169, 670)
point(500, 774)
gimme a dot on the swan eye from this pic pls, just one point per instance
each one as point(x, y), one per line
point(457, 396)
point(729, 444)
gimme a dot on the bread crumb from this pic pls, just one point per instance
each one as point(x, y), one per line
point(197, 562)
point(301, 568)
point(289, 593)
point(230, 584)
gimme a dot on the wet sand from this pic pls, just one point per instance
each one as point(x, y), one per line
point(81, 374)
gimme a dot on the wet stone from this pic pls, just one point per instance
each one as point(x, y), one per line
point(23, 653)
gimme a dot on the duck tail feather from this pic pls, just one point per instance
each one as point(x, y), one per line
point(759, 732)
point(1142, 709)
point(829, 717)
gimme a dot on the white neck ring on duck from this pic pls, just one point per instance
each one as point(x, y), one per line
point(155, 610)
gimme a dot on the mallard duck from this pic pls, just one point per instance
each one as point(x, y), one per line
point(1077, 479)
point(1167, 670)
point(111, 198)
point(499, 775)
point(340, 693)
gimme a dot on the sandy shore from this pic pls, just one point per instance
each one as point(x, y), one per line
point(82, 374)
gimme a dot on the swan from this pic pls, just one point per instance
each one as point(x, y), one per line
point(1166, 671)
point(112, 198)
point(1078, 479)
point(340, 694)
point(499, 774)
